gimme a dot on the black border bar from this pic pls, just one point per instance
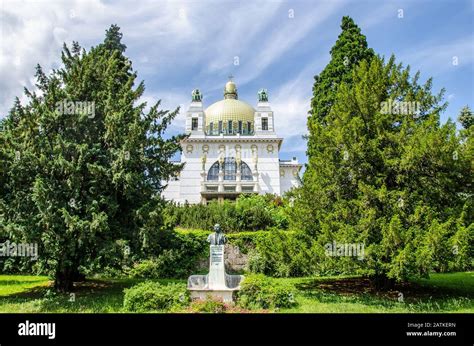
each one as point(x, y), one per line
point(240, 329)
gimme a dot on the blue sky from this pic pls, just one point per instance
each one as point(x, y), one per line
point(280, 45)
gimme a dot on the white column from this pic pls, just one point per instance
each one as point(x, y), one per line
point(221, 177)
point(255, 172)
point(238, 177)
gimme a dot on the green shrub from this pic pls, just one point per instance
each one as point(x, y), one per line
point(256, 263)
point(152, 296)
point(169, 264)
point(176, 263)
point(178, 257)
point(253, 213)
point(146, 269)
point(208, 305)
point(274, 252)
point(215, 306)
point(260, 292)
point(283, 254)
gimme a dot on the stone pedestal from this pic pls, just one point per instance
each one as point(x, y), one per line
point(216, 268)
point(217, 284)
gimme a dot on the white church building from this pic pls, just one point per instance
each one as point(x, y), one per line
point(232, 149)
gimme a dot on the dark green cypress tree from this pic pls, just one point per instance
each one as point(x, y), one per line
point(113, 39)
point(348, 51)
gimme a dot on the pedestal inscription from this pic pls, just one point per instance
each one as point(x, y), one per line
point(216, 267)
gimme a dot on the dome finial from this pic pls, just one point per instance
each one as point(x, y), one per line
point(230, 89)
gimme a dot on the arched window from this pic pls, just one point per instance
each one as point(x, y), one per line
point(213, 173)
point(230, 170)
point(246, 173)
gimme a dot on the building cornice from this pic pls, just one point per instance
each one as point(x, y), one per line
point(292, 165)
point(233, 139)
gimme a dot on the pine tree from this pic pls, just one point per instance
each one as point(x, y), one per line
point(85, 163)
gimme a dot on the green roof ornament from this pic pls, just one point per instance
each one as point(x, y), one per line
point(196, 95)
point(263, 95)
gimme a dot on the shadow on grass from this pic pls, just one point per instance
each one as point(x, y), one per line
point(359, 285)
point(409, 296)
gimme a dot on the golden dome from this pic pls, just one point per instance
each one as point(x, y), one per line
point(229, 109)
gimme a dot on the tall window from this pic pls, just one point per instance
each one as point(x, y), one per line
point(265, 124)
point(240, 126)
point(211, 128)
point(220, 126)
point(230, 168)
point(249, 127)
point(229, 127)
point(194, 124)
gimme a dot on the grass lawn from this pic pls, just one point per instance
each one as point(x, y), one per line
point(441, 293)
point(445, 293)
point(24, 294)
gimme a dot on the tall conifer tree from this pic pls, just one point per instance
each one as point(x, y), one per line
point(85, 163)
point(350, 48)
point(384, 173)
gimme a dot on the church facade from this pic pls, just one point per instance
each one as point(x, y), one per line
point(232, 148)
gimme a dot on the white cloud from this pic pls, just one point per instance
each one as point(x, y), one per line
point(291, 32)
point(161, 36)
point(284, 36)
point(33, 32)
point(259, 35)
point(440, 57)
point(179, 45)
